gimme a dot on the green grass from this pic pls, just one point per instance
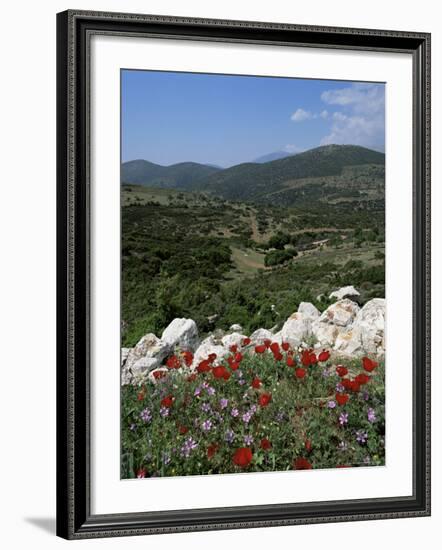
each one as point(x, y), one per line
point(297, 421)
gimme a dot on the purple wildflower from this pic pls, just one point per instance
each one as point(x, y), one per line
point(339, 387)
point(146, 415)
point(234, 412)
point(197, 391)
point(331, 404)
point(230, 436)
point(189, 445)
point(343, 418)
point(211, 391)
point(223, 403)
point(164, 411)
point(361, 437)
point(247, 416)
point(206, 425)
point(343, 446)
point(205, 407)
point(248, 439)
point(371, 415)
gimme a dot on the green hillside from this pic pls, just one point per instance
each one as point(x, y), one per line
point(250, 181)
point(154, 175)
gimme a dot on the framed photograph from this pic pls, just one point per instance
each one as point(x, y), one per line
point(243, 274)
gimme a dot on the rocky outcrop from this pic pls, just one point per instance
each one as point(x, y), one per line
point(182, 333)
point(147, 355)
point(208, 346)
point(344, 328)
point(344, 292)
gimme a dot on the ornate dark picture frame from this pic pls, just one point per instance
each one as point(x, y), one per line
point(74, 31)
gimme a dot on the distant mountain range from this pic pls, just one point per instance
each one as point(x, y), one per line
point(330, 172)
point(272, 156)
point(180, 175)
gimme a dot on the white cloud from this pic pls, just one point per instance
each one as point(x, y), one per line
point(299, 115)
point(324, 114)
point(362, 118)
point(290, 148)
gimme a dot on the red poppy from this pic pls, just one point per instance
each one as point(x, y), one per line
point(341, 370)
point(234, 366)
point(183, 429)
point(211, 450)
point(141, 473)
point(267, 342)
point(238, 357)
point(264, 399)
point(242, 457)
point(342, 398)
point(173, 362)
point(246, 341)
point(355, 386)
point(308, 445)
point(265, 444)
point(300, 373)
point(285, 346)
point(191, 377)
point(141, 394)
point(305, 357)
point(313, 359)
point(226, 375)
point(233, 348)
point(167, 401)
point(157, 374)
point(302, 464)
point(211, 358)
point(324, 356)
point(368, 364)
point(256, 383)
point(274, 347)
point(260, 348)
point(204, 366)
point(219, 372)
point(347, 383)
point(362, 378)
point(290, 362)
point(188, 357)
point(278, 356)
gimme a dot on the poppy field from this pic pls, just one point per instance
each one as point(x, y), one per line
point(263, 407)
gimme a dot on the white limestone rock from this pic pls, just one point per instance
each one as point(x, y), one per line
point(181, 333)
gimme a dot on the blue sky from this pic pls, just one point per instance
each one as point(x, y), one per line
point(172, 117)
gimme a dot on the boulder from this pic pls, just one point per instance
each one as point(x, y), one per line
point(124, 354)
point(309, 311)
point(260, 335)
point(232, 339)
point(181, 333)
point(344, 292)
point(295, 329)
point(208, 345)
point(341, 313)
point(149, 347)
point(236, 328)
point(371, 322)
point(348, 342)
point(324, 333)
point(148, 354)
point(143, 367)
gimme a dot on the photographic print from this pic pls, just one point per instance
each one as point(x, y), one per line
point(252, 274)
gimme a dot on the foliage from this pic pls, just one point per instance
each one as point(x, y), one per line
point(290, 409)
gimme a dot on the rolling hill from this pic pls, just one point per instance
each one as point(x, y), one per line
point(175, 176)
point(331, 173)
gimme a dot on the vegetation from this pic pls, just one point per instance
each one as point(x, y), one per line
point(273, 409)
